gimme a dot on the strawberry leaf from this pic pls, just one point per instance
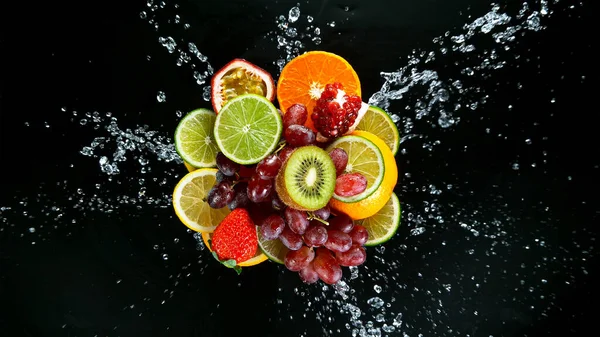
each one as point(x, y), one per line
point(228, 263)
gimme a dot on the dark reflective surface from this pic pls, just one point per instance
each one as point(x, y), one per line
point(507, 246)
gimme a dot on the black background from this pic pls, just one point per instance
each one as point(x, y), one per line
point(101, 275)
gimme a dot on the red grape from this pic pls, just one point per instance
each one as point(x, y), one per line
point(359, 235)
point(338, 241)
point(272, 227)
point(355, 256)
point(259, 189)
point(240, 198)
point(326, 266)
point(316, 234)
point(226, 165)
point(308, 274)
point(323, 213)
point(350, 184)
point(290, 239)
point(295, 114)
point(285, 153)
point(268, 167)
point(276, 202)
point(247, 171)
point(299, 135)
point(340, 160)
point(296, 260)
point(220, 195)
point(341, 222)
point(296, 220)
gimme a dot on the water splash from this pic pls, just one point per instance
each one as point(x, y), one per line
point(429, 100)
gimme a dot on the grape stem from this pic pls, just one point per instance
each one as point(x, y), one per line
point(281, 144)
point(312, 216)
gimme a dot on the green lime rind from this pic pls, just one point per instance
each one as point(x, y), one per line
point(194, 138)
point(379, 123)
point(383, 225)
point(248, 128)
point(358, 147)
point(273, 249)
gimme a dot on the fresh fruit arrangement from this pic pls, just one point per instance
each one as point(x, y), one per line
point(308, 186)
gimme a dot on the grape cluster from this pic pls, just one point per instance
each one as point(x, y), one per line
point(319, 243)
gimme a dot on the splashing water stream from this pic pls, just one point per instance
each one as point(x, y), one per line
point(420, 99)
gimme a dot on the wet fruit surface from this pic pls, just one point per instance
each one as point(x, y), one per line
point(239, 80)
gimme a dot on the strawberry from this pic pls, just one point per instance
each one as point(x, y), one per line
point(234, 240)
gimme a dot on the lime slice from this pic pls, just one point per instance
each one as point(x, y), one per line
point(379, 123)
point(248, 128)
point(194, 140)
point(189, 201)
point(273, 249)
point(383, 225)
point(365, 158)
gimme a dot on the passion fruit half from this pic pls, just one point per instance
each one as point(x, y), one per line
point(240, 77)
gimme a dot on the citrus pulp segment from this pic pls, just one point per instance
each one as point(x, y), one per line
point(247, 129)
point(194, 139)
point(384, 224)
point(189, 201)
point(364, 157)
point(379, 123)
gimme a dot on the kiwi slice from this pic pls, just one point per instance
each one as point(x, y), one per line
point(307, 179)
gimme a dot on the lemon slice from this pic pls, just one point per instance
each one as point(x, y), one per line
point(189, 201)
point(384, 224)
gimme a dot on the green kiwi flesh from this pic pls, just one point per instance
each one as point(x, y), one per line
point(307, 179)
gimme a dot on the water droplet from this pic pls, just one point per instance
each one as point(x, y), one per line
point(515, 166)
point(161, 97)
point(528, 141)
point(165, 257)
point(143, 15)
point(168, 43)
point(377, 288)
point(332, 24)
point(294, 14)
point(31, 230)
point(375, 302)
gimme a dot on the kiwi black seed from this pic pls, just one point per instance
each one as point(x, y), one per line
point(307, 179)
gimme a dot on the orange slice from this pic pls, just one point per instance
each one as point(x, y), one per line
point(303, 79)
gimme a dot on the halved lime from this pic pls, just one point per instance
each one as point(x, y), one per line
point(365, 158)
point(194, 140)
point(248, 128)
point(384, 224)
point(273, 249)
point(379, 123)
